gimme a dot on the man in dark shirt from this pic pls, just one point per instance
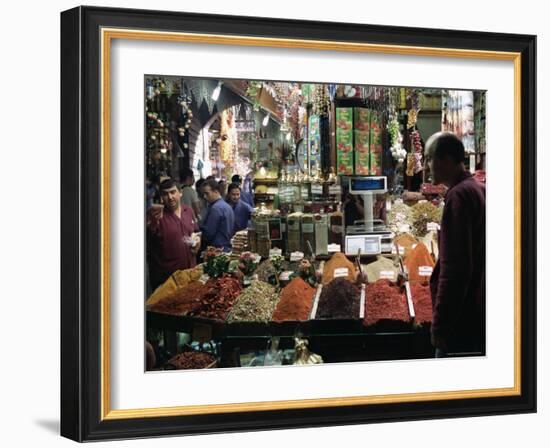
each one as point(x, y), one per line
point(169, 229)
point(458, 281)
point(219, 221)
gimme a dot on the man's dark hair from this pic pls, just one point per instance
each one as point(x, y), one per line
point(449, 145)
point(167, 184)
point(187, 172)
point(236, 179)
point(199, 184)
point(212, 184)
point(232, 187)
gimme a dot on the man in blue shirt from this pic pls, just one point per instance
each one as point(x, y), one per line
point(246, 196)
point(219, 221)
point(241, 209)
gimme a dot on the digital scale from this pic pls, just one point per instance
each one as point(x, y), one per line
point(371, 237)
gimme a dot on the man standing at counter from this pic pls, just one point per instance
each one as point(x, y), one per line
point(458, 280)
point(241, 210)
point(219, 221)
point(170, 226)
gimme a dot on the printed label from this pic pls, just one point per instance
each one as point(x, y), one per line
point(204, 278)
point(316, 189)
point(401, 250)
point(285, 275)
point(305, 193)
point(307, 227)
point(296, 256)
point(425, 270)
point(388, 275)
point(432, 226)
point(335, 189)
point(333, 248)
point(275, 251)
point(341, 272)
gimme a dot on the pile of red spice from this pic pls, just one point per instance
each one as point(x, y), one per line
point(212, 300)
point(384, 301)
point(295, 301)
point(218, 300)
point(422, 301)
point(340, 299)
point(191, 360)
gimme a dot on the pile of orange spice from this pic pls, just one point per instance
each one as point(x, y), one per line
point(295, 301)
point(419, 264)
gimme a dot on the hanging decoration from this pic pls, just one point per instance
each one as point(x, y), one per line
point(417, 151)
point(253, 92)
point(458, 116)
point(397, 150)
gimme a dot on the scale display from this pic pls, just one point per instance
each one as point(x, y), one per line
point(370, 184)
point(365, 244)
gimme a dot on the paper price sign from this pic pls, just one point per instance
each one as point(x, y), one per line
point(425, 270)
point(316, 189)
point(388, 275)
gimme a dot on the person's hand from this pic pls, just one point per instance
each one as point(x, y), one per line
point(195, 249)
point(154, 215)
point(439, 342)
point(157, 211)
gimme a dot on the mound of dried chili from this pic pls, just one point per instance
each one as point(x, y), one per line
point(385, 301)
point(422, 301)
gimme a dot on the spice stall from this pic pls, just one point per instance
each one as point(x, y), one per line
point(342, 241)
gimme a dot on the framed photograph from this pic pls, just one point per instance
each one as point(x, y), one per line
point(274, 223)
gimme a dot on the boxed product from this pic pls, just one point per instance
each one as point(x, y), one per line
point(344, 118)
point(344, 161)
point(375, 163)
point(362, 163)
point(361, 119)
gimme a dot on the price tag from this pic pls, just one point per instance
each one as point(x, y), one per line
point(388, 275)
point(401, 250)
point(204, 278)
point(285, 275)
point(334, 248)
point(341, 272)
point(432, 227)
point(472, 163)
point(335, 189)
point(316, 189)
point(388, 205)
point(307, 227)
point(305, 193)
point(275, 251)
point(425, 270)
point(296, 256)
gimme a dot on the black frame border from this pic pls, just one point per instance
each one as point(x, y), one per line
point(81, 223)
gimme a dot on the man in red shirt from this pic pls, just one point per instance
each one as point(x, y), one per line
point(169, 229)
point(458, 280)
